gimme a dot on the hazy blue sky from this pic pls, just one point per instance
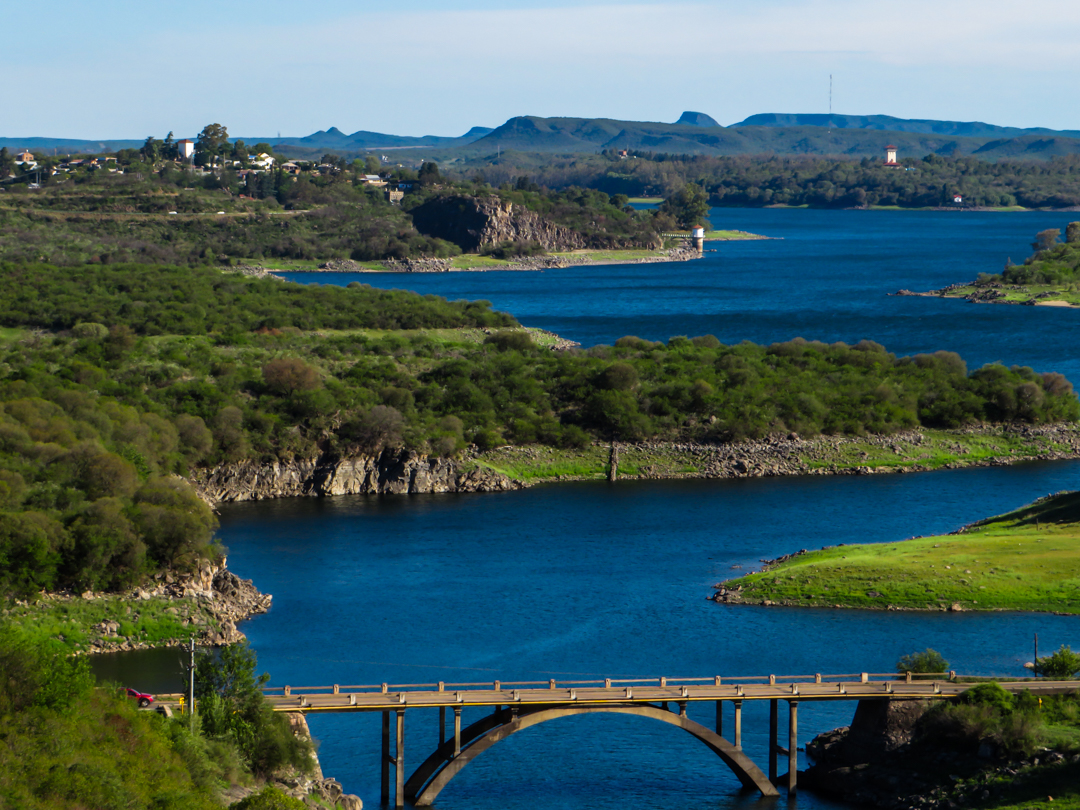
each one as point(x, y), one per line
point(130, 69)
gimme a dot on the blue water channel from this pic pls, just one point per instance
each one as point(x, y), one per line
point(595, 580)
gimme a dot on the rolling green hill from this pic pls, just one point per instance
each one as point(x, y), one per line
point(566, 135)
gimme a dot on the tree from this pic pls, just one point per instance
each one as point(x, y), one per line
point(7, 163)
point(288, 375)
point(1044, 240)
point(231, 705)
point(211, 143)
point(429, 174)
point(926, 661)
point(689, 205)
point(1062, 664)
point(1072, 233)
point(151, 150)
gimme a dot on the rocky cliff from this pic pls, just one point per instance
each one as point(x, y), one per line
point(392, 472)
point(473, 223)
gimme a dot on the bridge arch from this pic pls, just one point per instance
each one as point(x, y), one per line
point(442, 766)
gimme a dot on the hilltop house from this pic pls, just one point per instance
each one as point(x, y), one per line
point(185, 149)
point(262, 160)
point(373, 180)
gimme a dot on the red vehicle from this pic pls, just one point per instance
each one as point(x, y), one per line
point(141, 698)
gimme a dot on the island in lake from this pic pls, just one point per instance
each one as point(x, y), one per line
point(1049, 277)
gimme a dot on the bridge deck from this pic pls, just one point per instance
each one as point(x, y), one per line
point(365, 699)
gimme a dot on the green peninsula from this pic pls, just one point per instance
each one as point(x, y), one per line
point(1049, 277)
point(1028, 559)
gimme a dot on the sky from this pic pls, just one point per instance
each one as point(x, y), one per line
point(126, 69)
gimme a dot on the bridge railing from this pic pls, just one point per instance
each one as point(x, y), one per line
point(608, 683)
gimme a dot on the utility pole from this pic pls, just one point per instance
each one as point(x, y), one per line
point(1036, 660)
point(191, 686)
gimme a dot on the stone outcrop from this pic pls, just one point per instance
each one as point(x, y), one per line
point(314, 789)
point(884, 760)
point(473, 223)
point(211, 601)
point(392, 472)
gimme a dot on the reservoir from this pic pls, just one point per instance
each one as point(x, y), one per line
point(594, 580)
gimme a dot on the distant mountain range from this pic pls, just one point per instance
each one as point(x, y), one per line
point(853, 136)
point(887, 123)
point(334, 138)
point(693, 133)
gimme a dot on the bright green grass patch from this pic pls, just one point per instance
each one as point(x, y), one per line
point(1069, 293)
point(547, 464)
point(1024, 560)
point(645, 200)
point(937, 449)
point(72, 621)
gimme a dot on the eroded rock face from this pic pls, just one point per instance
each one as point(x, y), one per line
point(392, 472)
point(476, 222)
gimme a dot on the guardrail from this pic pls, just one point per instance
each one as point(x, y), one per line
point(611, 683)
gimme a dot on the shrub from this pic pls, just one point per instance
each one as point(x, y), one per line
point(989, 694)
point(1062, 664)
point(507, 340)
point(926, 661)
point(617, 377)
point(269, 798)
point(90, 331)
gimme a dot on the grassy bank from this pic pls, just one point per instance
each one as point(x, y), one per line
point(474, 261)
point(912, 451)
point(1036, 294)
point(82, 625)
point(1028, 559)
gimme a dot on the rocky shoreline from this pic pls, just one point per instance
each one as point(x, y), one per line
point(435, 265)
point(208, 603)
point(881, 760)
point(402, 472)
point(397, 472)
point(991, 294)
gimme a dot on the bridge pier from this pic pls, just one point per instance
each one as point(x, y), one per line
point(738, 724)
point(773, 742)
point(398, 760)
point(793, 745)
point(384, 767)
point(457, 730)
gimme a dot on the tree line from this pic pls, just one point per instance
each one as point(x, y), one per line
point(820, 182)
point(98, 417)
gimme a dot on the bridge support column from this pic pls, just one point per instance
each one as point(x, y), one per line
point(793, 745)
point(719, 718)
point(738, 724)
point(457, 730)
point(399, 761)
point(384, 769)
point(773, 716)
point(442, 725)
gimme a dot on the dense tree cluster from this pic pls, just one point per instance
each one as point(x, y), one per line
point(69, 744)
point(820, 182)
point(1053, 262)
point(184, 301)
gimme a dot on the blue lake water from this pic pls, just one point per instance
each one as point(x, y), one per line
point(594, 580)
point(827, 277)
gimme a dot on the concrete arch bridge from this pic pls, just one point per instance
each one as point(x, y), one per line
point(518, 706)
